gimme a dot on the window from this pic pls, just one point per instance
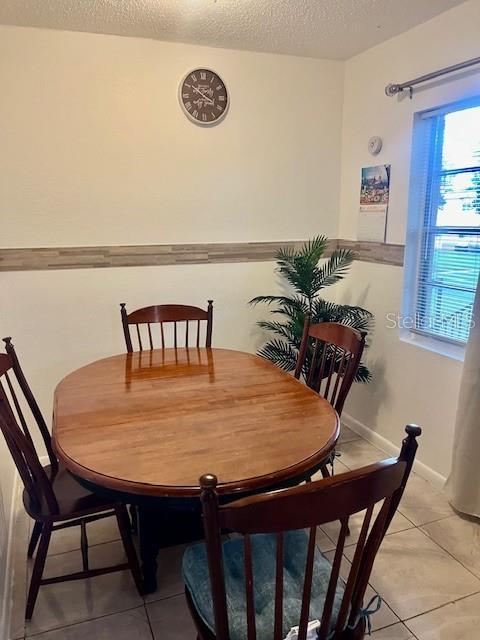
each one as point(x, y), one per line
point(445, 219)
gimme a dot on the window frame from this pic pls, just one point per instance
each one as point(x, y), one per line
point(425, 179)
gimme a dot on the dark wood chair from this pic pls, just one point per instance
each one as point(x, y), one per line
point(274, 562)
point(51, 496)
point(161, 314)
point(329, 358)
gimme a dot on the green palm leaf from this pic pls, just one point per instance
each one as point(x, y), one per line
point(301, 270)
point(335, 268)
point(286, 330)
point(280, 353)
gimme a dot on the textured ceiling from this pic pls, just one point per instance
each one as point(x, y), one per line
point(318, 28)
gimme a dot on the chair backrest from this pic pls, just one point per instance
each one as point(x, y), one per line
point(17, 402)
point(306, 507)
point(329, 358)
point(166, 313)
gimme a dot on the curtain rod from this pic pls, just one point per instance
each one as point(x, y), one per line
point(394, 88)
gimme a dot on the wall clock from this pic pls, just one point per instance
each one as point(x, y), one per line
point(203, 97)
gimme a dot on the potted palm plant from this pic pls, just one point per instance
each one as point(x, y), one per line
point(306, 277)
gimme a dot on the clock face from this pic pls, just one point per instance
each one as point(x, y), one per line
point(204, 97)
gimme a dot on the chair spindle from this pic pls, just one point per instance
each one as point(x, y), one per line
point(340, 374)
point(18, 409)
point(150, 335)
point(331, 369)
point(332, 584)
point(311, 373)
point(139, 337)
point(307, 585)
point(352, 576)
point(163, 335)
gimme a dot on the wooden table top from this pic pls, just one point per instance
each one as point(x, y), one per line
point(152, 423)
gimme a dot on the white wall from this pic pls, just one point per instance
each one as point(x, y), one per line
point(96, 150)
point(411, 384)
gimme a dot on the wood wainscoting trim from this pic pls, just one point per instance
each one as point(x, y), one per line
point(378, 252)
point(52, 258)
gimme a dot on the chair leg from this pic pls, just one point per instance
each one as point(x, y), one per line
point(38, 569)
point(37, 530)
point(84, 544)
point(124, 526)
point(134, 518)
point(325, 472)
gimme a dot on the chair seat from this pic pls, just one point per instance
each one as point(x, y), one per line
point(73, 500)
point(196, 576)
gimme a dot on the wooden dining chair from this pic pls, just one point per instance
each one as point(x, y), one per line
point(270, 577)
point(329, 358)
point(171, 314)
point(161, 314)
point(51, 496)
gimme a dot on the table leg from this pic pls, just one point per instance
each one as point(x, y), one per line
point(150, 542)
point(165, 526)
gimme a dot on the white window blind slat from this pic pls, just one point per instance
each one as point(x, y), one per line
point(449, 258)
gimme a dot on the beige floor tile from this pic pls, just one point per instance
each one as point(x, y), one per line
point(98, 532)
point(66, 603)
point(422, 502)
point(127, 625)
point(460, 537)
point(457, 621)
point(169, 574)
point(396, 632)
point(358, 453)
point(339, 468)
point(324, 543)
point(171, 620)
point(332, 529)
point(384, 616)
point(347, 435)
point(414, 574)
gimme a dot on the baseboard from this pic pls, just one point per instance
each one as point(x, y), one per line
point(6, 605)
point(435, 478)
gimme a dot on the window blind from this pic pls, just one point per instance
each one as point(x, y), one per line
point(449, 248)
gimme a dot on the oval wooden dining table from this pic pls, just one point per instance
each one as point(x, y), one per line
point(143, 427)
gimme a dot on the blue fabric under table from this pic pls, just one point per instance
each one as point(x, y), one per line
point(196, 576)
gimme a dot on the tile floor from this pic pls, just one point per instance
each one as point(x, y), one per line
point(427, 572)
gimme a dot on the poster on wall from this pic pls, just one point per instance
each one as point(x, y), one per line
point(374, 194)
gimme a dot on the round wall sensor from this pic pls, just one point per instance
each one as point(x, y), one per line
point(375, 145)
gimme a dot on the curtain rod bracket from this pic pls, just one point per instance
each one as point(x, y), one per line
point(392, 90)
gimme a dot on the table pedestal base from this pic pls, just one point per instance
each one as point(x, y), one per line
point(161, 527)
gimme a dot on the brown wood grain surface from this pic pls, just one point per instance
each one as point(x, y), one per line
point(153, 422)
